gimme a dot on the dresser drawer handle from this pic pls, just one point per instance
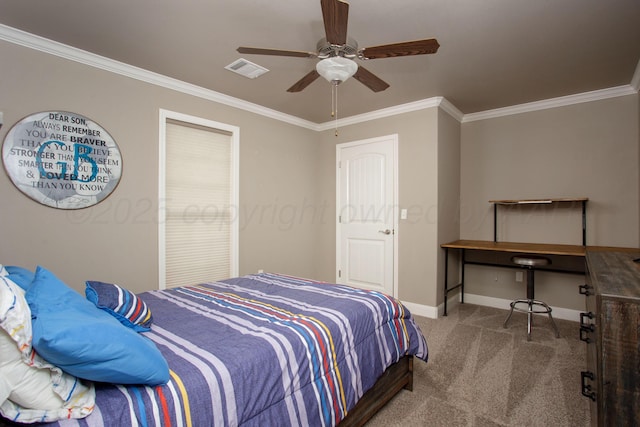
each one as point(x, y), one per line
point(586, 388)
point(588, 315)
point(585, 330)
point(585, 327)
point(584, 290)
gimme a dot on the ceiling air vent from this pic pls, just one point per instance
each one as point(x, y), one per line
point(246, 68)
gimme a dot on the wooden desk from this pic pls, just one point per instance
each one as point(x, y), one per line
point(530, 248)
point(564, 258)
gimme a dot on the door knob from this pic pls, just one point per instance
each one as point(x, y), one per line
point(387, 231)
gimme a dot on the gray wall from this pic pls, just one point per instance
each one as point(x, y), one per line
point(421, 148)
point(583, 150)
point(116, 240)
point(287, 183)
point(449, 132)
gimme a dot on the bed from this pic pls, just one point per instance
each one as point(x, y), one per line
point(267, 349)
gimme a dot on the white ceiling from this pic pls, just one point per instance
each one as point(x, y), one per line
point(493, 53)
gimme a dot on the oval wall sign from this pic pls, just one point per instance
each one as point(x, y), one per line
point(61, 159)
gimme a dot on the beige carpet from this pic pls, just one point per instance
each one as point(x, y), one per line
point(480, 374)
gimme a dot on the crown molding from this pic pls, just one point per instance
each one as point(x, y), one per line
point(42, 44)
point(436, 101)
point(561, 101)
point(451, 109)
point(32, 41)
point(635, 81)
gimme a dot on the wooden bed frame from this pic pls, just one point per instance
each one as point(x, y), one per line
point(397, 377)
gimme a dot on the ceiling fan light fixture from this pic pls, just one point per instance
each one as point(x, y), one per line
point(336, 69)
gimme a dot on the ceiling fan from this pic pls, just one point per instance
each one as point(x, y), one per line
point(336, 52)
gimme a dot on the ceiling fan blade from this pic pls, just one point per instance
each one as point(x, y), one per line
point(304, 82)
point(417, 47)
point(276, 52)
point(370, 80)
point(335, 14)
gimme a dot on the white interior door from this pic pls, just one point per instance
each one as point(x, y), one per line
point(366, 203)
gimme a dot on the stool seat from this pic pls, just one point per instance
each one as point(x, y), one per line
point(530, 262)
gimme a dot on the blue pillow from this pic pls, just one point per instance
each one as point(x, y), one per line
point(73, 334)
point(20, 276)
point(122, 304)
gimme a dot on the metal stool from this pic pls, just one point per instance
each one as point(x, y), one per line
point(529, 263)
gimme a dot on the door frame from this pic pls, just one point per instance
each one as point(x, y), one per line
point(393, 138)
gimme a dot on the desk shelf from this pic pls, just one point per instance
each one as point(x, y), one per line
point(539, 201)
point(582, 200)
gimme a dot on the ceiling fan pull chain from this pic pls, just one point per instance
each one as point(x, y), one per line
point(334, 105)
point(333, 99)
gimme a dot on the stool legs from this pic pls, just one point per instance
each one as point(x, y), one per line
point(548, 311)
point(513, 304)
point(531, 302)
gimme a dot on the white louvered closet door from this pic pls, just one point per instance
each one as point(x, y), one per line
point(198, 211)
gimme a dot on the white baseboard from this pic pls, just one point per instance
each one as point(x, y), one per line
point(431, 311)
point(435, 312)
point(422, 310)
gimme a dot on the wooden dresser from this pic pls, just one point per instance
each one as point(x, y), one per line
point(611, 328)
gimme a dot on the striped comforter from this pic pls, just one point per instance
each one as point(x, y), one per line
point(262, 350)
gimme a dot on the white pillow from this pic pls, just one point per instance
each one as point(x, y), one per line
point(5, 389)
point(32, 389)
point(15, 315)
point(28, 386)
